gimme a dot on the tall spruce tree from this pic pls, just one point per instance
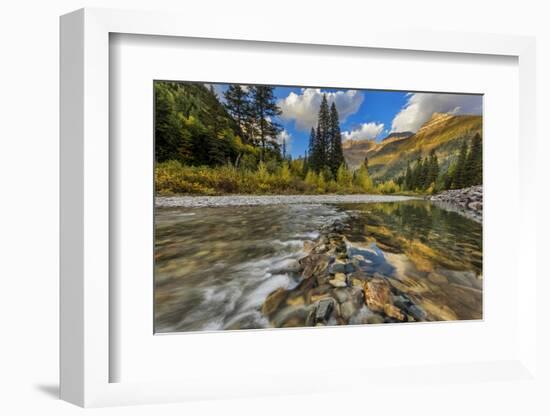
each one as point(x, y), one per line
point(433, 168)
point(237, 103)
point(265, 109)
point(408, 178)
point(335, 154)
point(459, 179)
point(323, 133)
point(474, 167)
point(313, 159)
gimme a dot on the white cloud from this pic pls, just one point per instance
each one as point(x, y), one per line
point(304, 107)
point(287, 137)
point(421, 106)
point(367, 131)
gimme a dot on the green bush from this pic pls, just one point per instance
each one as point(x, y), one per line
point(173, 178)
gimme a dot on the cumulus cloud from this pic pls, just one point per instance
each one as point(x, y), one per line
point(420, 107)
point(304, 107)
point(287, 138)
point(367, 131)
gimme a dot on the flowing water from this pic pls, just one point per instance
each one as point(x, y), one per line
point(215, 266)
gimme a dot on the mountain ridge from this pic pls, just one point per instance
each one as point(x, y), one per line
point(388, 159)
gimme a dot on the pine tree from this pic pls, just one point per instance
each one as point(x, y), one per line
point(459, 179)
point(323, 132)
point(425, 173)
point(264, 108)
point(335, 154)
point(313, 152)
point(416, 173)
point(433, 169)
point(237, 103)
point(474, 167)
point(408, 178)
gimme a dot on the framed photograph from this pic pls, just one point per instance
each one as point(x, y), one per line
point(221, 222)
point(286, 206)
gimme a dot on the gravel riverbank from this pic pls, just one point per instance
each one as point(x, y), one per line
point(249, 200)
point(466, 201)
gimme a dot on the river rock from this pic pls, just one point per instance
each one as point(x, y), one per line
point(347, 309)
point(341, 295)
point(324, 309)
point(308, 245)
point(377, 294)
point(437, 278)
point(339, 280)
point(338, 283)
point(290, 317)
point(318, 293)
point(314, 264)
point(469, 201)
point(337, 267)
point(374, 319)
point(273, 301)
point(417, 312)
point(393, 312)
point(355, 282)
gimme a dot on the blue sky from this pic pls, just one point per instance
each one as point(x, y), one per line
point(364, 114)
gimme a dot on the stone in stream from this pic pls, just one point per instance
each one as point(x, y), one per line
point(338, 283)
point(339, 280)
point(417, 313)
point(324, 309)
point(273, 301)
point(377, 294)
point(347, 309)
point(337, 267)
point(393, 312)
point(314, 264)
point(341, 295)
point(308, 245)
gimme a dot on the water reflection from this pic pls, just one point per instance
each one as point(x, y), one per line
point(432, 255)
point(215, 266)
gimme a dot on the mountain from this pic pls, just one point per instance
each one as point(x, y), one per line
point(388, 158)
point(397, 136)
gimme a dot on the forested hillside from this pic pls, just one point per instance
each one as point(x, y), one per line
point(443, 139)
point(211, 144)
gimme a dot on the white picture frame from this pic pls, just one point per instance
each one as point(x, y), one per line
point(85, 211)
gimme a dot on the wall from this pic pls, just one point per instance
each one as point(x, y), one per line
point(29, 175)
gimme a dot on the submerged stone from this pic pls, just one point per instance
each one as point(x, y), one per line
point(324, 309)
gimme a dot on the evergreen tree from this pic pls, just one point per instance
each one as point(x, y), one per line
point(474, 167)
point(313, 152)
point(305, 164)
point(264, 109)
point(459, 178)
point(335, 154)
point(416, 173)
point(237, 103)
point(424, 172)
point(323, 132)
point(408, 178)
point(433, 170)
